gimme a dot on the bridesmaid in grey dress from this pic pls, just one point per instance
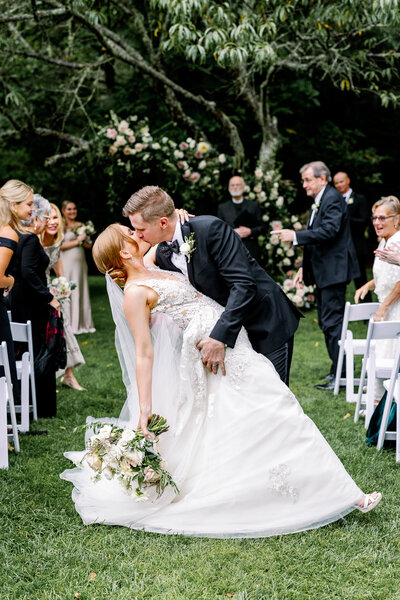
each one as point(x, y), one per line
point(51, 239)
point(75, 269)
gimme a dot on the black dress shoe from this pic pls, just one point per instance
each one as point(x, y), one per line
point(329, 385)
point(329, 377)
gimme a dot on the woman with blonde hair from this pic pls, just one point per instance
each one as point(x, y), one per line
point(247, 460)
point(51, 239)
point(8, 245)
point(30, 298)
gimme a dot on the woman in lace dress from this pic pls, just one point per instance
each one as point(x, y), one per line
point(247, 460)
point(386, 281)
point(51, 239)
point(75, 269)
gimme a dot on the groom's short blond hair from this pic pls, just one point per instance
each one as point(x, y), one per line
point(151, 202)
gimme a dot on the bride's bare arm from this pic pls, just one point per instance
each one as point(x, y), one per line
point(137, 303)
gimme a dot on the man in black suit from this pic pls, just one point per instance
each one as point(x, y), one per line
point(329, 259)
point(220, 267)
point(244, 216)
point(359, 213)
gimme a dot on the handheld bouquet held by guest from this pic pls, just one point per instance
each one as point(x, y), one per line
point(76, 237)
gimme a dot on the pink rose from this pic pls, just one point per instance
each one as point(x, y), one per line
point(198, 154)
point(180, 164)
point(187, 174)
point(195, 177)
point(111, 133)
point(183, 146)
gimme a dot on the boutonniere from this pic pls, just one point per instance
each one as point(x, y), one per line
point(350, 200)
point(188, 247)
point(315, 206)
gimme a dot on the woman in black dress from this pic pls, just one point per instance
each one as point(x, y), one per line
point(8, 245)
point(30, 298)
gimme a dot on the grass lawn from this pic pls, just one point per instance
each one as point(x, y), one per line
point(47, 553)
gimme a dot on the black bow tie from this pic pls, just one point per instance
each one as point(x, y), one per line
point(168, 249)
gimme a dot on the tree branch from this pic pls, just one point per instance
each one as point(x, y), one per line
point(30, 17)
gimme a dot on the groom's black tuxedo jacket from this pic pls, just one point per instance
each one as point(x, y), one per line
point(329, 255)
point(222, 268)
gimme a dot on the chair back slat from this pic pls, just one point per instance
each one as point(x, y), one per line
point(362, 312)
point(19, 332)
point(383, 330)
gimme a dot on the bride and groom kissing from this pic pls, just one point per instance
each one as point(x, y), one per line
point(247, 460)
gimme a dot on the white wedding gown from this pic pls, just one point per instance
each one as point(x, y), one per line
point(247, 460)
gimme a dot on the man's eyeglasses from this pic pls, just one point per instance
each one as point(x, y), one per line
point(382, 219)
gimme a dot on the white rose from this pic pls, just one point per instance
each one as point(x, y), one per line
point(178, 154)
point(123, 126)
point(202, 164)
point(203, 147)
point(105, 432)
point(108, 474)
point(127, 435)
point(120, 140)
point(222, 158)
point(139, 147)
point(286, 262)
point(258, 173)
point(94, 462)
point(134, 458)
point(156, 146)
point(184, 248)
point(280, 201)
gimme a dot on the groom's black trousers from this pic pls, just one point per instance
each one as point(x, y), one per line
point(281, 358)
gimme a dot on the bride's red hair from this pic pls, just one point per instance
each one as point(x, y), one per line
point(106, 252)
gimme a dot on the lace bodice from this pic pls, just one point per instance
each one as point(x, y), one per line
point(196, 315)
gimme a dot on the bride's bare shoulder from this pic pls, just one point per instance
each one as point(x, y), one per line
point(150, 258)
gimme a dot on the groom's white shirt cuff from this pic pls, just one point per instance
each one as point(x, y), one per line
point(179, 260)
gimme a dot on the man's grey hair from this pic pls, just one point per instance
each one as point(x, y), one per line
point(319, 168)
point(42, 207)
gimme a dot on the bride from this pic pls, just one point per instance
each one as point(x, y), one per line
point(247, 460)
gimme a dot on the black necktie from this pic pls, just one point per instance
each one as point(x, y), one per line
point(168, 249)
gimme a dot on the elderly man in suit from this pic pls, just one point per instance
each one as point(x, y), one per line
point(243, 215)
point(359, 213)
point(329, 259)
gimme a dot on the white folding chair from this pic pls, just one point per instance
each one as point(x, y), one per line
point(350, 347)
point(392, 386)
point(3, 425)
point(376, 368)
point(9, 398)
point(22, 332)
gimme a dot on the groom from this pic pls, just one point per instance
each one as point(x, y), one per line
point(218, 265)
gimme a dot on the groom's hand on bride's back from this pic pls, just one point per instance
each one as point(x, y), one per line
point(212, 354)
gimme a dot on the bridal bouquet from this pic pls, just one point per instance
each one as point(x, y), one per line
point(126, 454)
point(87, 228)
point(61, 288)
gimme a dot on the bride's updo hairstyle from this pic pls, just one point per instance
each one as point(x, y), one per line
point(106, 252)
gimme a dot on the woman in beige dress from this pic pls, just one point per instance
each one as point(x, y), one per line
point(75, 269)
point(51, 240)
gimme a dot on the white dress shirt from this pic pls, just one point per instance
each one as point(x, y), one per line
point(347, 195)
point(317, 199)
point(179, 260)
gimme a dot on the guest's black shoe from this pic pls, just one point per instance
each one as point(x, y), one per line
point(329, 385)
point(329, 377)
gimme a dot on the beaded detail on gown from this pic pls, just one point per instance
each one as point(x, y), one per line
point(75, 269)
point(247, 460)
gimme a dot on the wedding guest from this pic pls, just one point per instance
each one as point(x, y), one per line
point(243, 215)
point(359, 212)
point(51, 239)
point(30, 298)
point(386, 281)
point(75, 269)
point(8, 245)
point(329, 259)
